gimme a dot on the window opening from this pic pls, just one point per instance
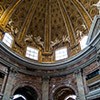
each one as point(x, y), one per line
point(32, 53)
point(8, 40)
point(83, 42)
point(61, 54)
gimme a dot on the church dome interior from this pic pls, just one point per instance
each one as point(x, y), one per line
point(49, 49)
point(46, 31)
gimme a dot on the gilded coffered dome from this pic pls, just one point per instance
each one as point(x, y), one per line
point(46, 25)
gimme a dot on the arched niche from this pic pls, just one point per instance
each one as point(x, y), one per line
point(25, 93)
point(63, 93)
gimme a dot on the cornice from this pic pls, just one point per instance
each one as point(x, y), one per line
point(44, 66)
point(53, 74)
point(9, 54)
point(94, 28)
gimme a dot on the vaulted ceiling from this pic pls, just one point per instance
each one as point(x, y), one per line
point(47, 24)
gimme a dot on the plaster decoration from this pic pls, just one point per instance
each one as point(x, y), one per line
point(28, 38)
point(81, 31)
point(10, 22)
point(55, 42)
point(38, 41)
point(98, 6)
point(84, 26)
point(79, 34)
point(14, 31)
point(65, 39)
point(11, 28)
point(18, 50)
point(88, 5)
point(14, 70)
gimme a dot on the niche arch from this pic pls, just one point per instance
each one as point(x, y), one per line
point(63, 92)
point(18, 89)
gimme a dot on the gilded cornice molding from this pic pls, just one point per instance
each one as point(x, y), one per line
point(44, 66)
point(53, 74)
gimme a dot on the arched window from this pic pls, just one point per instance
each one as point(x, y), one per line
point(61, 53)
point(83, 42)
point(32, 53)
point(8, 40)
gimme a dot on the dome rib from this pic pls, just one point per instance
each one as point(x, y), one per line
point(67, 23)
point(27, 21)
point(86, 17)
point(47, 34)
point(8, 13)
